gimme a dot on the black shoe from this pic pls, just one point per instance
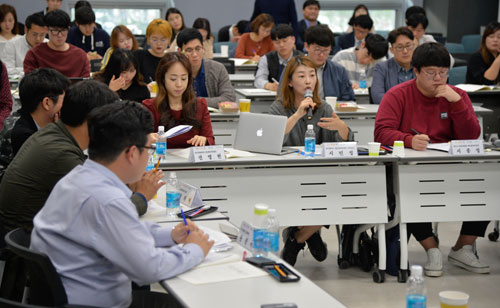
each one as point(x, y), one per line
point(292, 248)
point(317, 247)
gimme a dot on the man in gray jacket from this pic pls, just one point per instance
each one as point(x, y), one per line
point(211, 80)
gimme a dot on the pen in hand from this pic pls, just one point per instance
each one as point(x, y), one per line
point(274, 80)
point(417, 133)
point(184, 218)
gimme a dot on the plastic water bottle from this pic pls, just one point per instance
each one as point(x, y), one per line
point(173, 196)
point(416, 296)
point(259, 223)
point(362, 80)
point(273, 232)
point(161, 143)
point(310, 142)
point(151, 164)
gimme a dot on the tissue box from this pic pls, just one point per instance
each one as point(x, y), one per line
point(346, 106)
point(229, 107)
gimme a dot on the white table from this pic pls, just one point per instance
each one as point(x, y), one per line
point(241, 68)
point(432, 186)
point(361, 122)
point(242, 81)
point(251, 292)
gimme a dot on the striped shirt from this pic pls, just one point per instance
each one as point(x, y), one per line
point(347, 58)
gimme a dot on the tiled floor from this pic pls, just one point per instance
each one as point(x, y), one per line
point(356, 288)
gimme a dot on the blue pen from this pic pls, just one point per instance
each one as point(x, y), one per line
point(184, 218)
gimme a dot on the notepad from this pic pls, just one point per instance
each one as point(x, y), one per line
point(176, 131)
point(477, 87)
point(443, 147)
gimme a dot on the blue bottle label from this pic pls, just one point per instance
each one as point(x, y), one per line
point(274, 241)
point(362, 84)
point(259, 237)
point(310, 145)
point(173, 199)
point(416, 301)
point(161, 148)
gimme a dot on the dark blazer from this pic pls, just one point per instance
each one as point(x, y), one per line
point(346, 40)
point(301, 37)
point(385, 76)
point(223, 35)
point(24, 128)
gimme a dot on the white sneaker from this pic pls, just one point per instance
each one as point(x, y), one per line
point(434, 265)
point(465, 258)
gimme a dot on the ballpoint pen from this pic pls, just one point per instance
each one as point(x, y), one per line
point(184, 218)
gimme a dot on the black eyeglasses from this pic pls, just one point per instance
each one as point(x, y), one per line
point(58, 31)
point(151, 149)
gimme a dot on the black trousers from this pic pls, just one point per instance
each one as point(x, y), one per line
point(423, 230)
point(147, 299)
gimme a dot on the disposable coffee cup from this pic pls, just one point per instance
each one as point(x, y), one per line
point(224, 51)
point(454, 299)
point(373, 148)
point(398, 149)
point(331, 100)
point(244, 105)
point(154, 87)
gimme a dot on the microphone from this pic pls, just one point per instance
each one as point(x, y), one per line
point(309, 93)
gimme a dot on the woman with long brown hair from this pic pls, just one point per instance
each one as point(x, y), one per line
point(484, 65)
point(300, 76)
point(121, 37)
point(176, 103)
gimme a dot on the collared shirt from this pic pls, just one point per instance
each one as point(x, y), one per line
point(261, 77)
point(13, 55)
point(92, 234)
point(319, 73)
point(347, 58)
point(199, 82)
point(404, 75)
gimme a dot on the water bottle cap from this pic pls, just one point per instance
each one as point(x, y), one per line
point(416, 270)
point(310, 126)
point(161, 128)
point(260, 209)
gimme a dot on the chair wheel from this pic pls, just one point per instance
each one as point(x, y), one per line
point(493, 236)
point(402, 275)
point(378, 276)
point(343, 263)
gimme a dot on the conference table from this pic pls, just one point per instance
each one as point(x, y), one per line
point(242, 81)
point(490, 100)
point(361, 122)
point(433, 186)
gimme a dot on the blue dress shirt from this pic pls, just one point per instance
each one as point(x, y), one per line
point(199, 82)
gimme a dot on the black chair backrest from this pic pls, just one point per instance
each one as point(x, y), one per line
point(5, 303)
point(46, 287)
point(228, 64)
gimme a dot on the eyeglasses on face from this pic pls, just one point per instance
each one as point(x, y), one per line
point(197, 49)
point(431, 74)
point(58, 31)
point(400, 48)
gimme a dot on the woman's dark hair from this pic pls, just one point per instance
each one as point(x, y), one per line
point(174, 10)
point(491, 28)
point(359, 6)
point(121, 60)
point(189, 102)
point(203, 23)
point(6, 9)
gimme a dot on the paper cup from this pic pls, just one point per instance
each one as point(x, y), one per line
point(398, 149)
point(454, 299)
point(331, 100)
point(154, 87)
point(244, 105)
point(373, 148)
point(224, 51)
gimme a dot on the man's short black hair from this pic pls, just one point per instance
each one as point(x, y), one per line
point(81, 3)
point(58, 19)
point(394, 34)
point(311, 2)
point(430, 54)
point(414, 10)
point(115, 127)
point(84, 15)
point(376, 45)
point(320, 35)
point(363, 21)
point(242, 25)
point(187, 35)
point(417, 19)
point(34, 19)
point(281, 31)
point(82, 97)
point(38, 84)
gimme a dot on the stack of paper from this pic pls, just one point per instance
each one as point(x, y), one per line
point(477, 87)
point(176, 131)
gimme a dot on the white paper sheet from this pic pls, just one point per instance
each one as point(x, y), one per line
point(443, 147)
point(223, 272)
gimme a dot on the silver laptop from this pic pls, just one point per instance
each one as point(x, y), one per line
point(261, 133)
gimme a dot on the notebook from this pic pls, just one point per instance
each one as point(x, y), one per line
point(262, 133)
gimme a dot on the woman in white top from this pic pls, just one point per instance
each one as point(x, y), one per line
point(8, 24)
point(203, 25)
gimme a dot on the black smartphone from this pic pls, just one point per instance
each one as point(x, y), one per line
point(198, 211)
point(259, 261)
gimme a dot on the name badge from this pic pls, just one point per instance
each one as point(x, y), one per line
point(207, 153)
point(190, 195)
point(339, 149)
point(99, 44)
point(245, 237)
point(467, 147)
point(444, 115)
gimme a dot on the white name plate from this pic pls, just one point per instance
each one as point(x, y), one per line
point(339, 149)
point(190, 195)
point(467, 147)
point(245, 237)
point(207, 153)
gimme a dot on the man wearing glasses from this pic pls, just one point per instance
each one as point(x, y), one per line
point(210, 80)
point(361, 27)
point(396, 70)
point(15, 50)
point(333, 79)
point(69, 60)
point(427, 109)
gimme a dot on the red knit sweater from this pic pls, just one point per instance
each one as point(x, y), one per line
point(404, 107)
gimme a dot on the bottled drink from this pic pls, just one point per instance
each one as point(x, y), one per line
point(310, 141)
point(416, 296)
point(362, 80)
point(273, 229)
point(161, 143)
point(173, 196)
point(151, 164)
point(259, 224)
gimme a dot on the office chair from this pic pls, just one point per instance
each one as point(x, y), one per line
point(45, 285)
point(455, 48)
point(11, 304)
point(471, 42)
point(457, 75)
